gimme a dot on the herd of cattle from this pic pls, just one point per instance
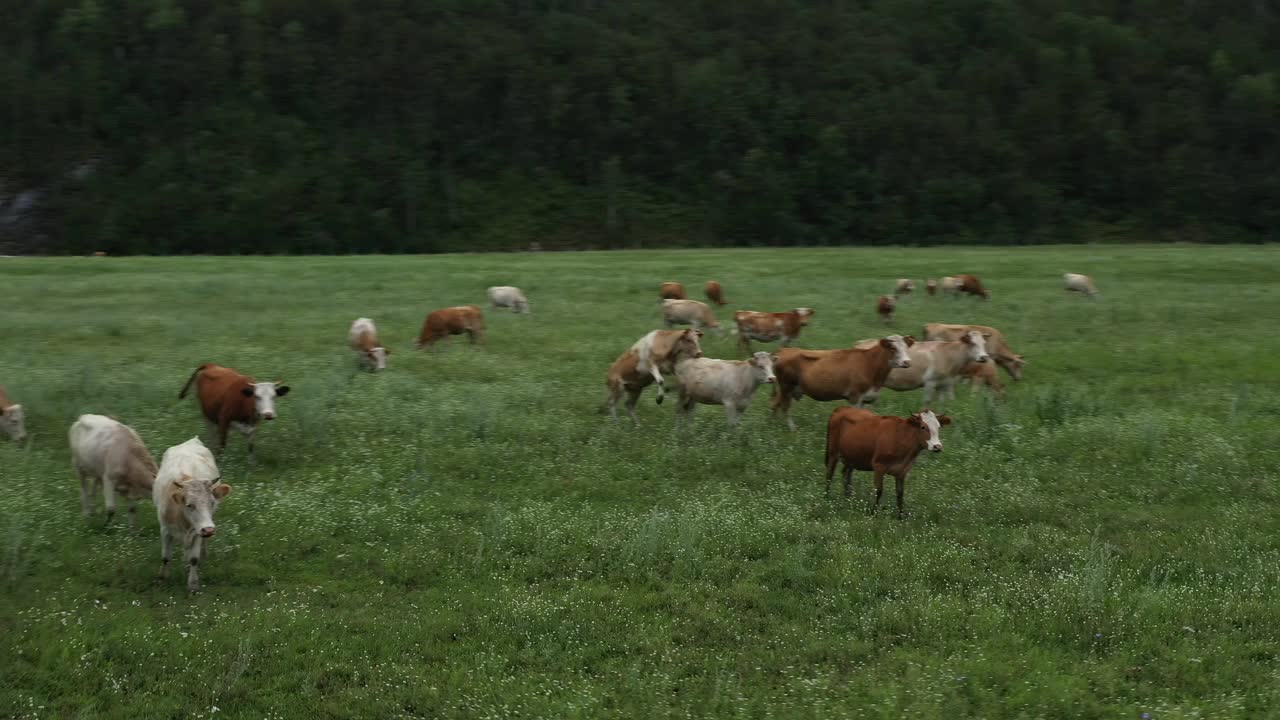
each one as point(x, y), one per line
point(186, 486)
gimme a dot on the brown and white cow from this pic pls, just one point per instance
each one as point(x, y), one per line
point(714, 292)
point(186, 493)
point(689, 312)
point(769, 326)
point(440, 324)
point(971, 285)
point(846, 374)
point(644, 363)
point(949, 286)
point(230, 399)
point(883, 444)
point(997, 347)
point(13, 419)
point(363, 338)
point(936, 365)
point(983, 374)
point(108, 453)
point(671, 291)
point(931, 286)
point(1074, 282)
point(730, 383)
point(903, 286)
point(884, 308)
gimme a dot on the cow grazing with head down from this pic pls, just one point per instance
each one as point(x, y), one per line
point(847, 374)
point(13, 419)
point(363, 338)
point(936, 365)
point(644, 363)
point(931, 286)
point(507, 296)
point(769, 326)
point(671, 291)
point(971, 285)
point(714, 292)
point(689, 312)
point(109, 453)
point(984, 374)
point(230, 399)
point(186, 493)
point(903, 286)
point(883, 444)
point(1074, 282)
point(885, 306)
point(730, 383)
point(999, 349)
point(440, 324)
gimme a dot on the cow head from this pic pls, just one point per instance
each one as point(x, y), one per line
point(687, 345)
point(762, 365)
point(897, 345)
point(803, 314)
point(264, 396)
point(198, 500)
point(520, 306)
point(1012, 364)
point(13, 420)
point(376, 358)
point(929, 424)
point(976, 343)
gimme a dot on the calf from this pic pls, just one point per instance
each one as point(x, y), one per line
point(507, 296)
point(689, 312)
point(980, 374)
point(931, 286)
point(971, 285)
point(936, 365)
point(730, 383)
point(768, 327)
point(880, 443)
point(714, 292)
point(903, 287)
point(1003, 356)
point(109, 453)
point(186, 493)
point(363, 338)
point(671, 291)
point(1072, 282)
point(440, 324)
point(846, 374)
point(643, 364)
point(13, 419)
point(884, 308)
point(228, 398)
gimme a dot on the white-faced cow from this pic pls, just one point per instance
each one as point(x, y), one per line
point(108, 453)
point(186, 492)
point(883, 444)
point(847, 374)
point(363, 339)
point(13, 419)
point(936, 365)
point(903, 286)
point(230, 399)
point(730, 383)
point(769, 326)
point(999, 349)
point(644, 363)
point(1073, 282)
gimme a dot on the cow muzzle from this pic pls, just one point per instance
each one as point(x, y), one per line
point(983, 359)
point(268, 416)
point(208, 531)
point(904, 364)
point(936, 447)
point(770, 380)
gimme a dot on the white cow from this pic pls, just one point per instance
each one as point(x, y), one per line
point(950, 285)
point(936, 365)
point(903, 287)
point(507, 296)
point(186, 492)
point(1073, 282)
point(109, 453)
point(689, 312)
point(730, 383)
point(13, 419)
point(363, 338)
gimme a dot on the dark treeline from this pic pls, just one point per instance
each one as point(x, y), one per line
point(321, 126)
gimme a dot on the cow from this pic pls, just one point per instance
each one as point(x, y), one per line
point(440, 324)
point(979, 374)
point(230, 399)
point(884, 308)
point(363, 338)
point(730, 383)
point(507, 296)
point(671, 291)
point(844, 374)
point(883, 444)
point(689, 312)
point(714, 293)
point(768, 326)
point(1072, 282)
point(903, 287)
point(998, 348)
point(971, 285)
point(950, 286)
point(643, 364)
point(13, 419)
point(108, 453)
point(186, 493)
point(931, 286)
point(936, 365)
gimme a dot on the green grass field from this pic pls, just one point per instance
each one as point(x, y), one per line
point(465, 536)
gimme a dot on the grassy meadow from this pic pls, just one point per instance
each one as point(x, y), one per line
point(466, 536)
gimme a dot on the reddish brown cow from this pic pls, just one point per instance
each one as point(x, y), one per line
point(714, 293)
point(229, 398)
point(845, 374)
point(884, 308)
point(767, 326)
point(931, 286)
point(971, 285)
point(671, 291)
point(883, 444)
point(440, 324)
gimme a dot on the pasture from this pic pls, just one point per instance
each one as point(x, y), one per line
point(466, 536)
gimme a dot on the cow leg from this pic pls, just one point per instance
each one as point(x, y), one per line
point(930, 390)
point(633, 397)
point(733, 414)
point(86, 492)
point(109, 496)
point(847, 478)
point(900, 484)
point(744, 343)
point(166, 550)
point(781, 404)
point(133, 515)
point(250, 435)
point(879, 483)
point(611, 402)
point(194, 551)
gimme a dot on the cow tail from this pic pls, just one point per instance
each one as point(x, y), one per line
point(183, 393)
point(829, 457)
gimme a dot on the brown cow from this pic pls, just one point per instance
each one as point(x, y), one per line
point(931, 286)
point(845, 374)
point(643, 364)
point(228, 398)
point(883, 444)
point(971, 285)
point(767, 326)
point(884, 308)
point(979, 374)
point(440, 324)
point(714, 292)
point(996, 344)
point(672, 291)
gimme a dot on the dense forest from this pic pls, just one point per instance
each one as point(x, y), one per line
point(335, 126)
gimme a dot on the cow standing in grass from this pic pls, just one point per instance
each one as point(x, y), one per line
point(644, 363)
point(714, 292)
point(507, 296)
point(997, 346)
point(186, 493)
point(229, 399)
point(689, 312)
point(936, 365)
point(1083, 284)
point(847, 374)
point(363, 338)
point(730, 383)
point(885, 306)
point(883, 444)
point(671, 291)
point(769, 326)
point(440, 324)
point(13, 419)
point(108, 453)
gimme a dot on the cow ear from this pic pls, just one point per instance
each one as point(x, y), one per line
point(944, 419)
point(886, 343)
point(909, 340)
point(282, 390)
point(698, 333)
point(967, 339)
point(221, 490)
point(386, 351)
point(246, 391)
point(916, 421)
point(986, 336)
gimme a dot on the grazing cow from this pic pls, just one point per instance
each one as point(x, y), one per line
point(730, 383)
point(1072, 282)
point(884, 308)
point(950, 286)
point(714, 293)
point(979, 374)
point(689, 312)
point(845, 374)
point(931, 286)
point(109, 453)
point(440, 324)
point(903, 287)
point(883, 444)
point(996, 345)
point(767, 326)
point(936, 365)
point(186, 493)
point(507, 296)
point(672, 291)
point(971, 285)
point(363, 338)
point(643, 364)
point(13, 419)
point(229, 399)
